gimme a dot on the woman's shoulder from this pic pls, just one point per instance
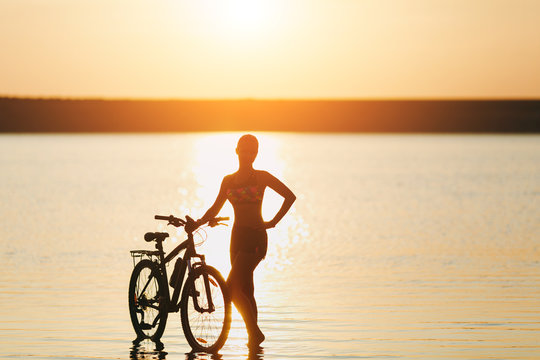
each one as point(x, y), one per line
point(263, 176)
point(227, 179)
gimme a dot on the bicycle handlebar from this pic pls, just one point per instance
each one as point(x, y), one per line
point(161, 217)
point(173, 220)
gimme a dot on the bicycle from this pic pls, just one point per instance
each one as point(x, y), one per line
point(204, 305)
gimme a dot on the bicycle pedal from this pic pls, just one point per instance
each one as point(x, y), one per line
point(145, 326)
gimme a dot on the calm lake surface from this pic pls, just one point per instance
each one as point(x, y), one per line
point(399, 246)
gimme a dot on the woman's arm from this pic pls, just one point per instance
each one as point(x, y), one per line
point(216, 207)
point(288, 198)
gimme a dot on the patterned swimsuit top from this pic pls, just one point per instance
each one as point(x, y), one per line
point(246, 194)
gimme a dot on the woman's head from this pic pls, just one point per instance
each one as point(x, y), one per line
point(247, 149)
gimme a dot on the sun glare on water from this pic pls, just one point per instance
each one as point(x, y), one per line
point(215, 158)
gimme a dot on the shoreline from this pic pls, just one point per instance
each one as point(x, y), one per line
point(34, 115)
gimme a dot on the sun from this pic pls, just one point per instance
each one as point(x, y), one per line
point(236, 20)
point(245, 15)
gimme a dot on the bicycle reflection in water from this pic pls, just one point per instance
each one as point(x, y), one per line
point(149, 350)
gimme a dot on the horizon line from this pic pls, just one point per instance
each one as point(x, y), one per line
point(104, 98)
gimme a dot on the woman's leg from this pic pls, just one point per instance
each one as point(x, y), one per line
point(249, 290)
point(240, 284)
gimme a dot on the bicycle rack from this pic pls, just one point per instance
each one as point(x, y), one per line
point(139, 255)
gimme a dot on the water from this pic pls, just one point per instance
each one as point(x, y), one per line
point(399, 246)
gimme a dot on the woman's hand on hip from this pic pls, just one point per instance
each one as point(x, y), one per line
point(268, 224)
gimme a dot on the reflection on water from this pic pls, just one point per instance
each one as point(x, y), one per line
point(147, 349)
point(398, 246)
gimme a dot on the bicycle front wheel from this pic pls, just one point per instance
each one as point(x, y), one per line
point(206, 320)
point(147, 300)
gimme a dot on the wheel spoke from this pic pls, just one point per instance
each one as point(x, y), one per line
point(150, 278)
point(153, 307)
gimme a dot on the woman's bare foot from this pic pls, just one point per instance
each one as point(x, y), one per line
point(256, 339)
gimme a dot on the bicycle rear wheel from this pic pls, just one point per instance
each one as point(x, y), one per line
point(147, 300)
point(205, 329)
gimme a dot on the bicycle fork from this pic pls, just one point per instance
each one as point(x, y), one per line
point(208, 291)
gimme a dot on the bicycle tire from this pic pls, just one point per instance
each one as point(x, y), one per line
point(147, 299)
point(205, 331)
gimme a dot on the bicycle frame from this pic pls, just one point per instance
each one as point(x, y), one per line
point(189, 254)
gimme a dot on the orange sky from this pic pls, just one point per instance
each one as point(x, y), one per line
point(270, 48)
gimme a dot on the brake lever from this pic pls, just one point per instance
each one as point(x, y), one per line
point(175, 223)
point(216, 224)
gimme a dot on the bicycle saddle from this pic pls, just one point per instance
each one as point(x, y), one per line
point(158, 236)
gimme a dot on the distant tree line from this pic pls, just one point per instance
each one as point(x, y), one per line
point(398, 116)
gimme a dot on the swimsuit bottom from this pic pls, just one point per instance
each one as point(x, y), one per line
point(249, 240)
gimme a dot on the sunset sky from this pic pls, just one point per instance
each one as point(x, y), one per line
point(270, 48)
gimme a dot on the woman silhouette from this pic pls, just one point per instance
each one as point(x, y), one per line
point(245, 189)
